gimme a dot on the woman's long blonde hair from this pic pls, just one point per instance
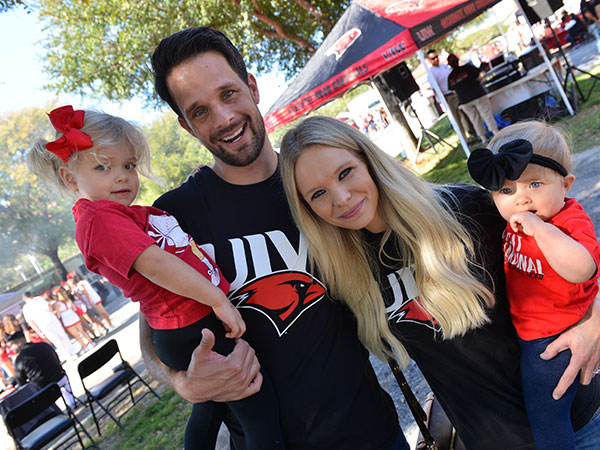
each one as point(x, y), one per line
point(423, 229)
point(105, 130)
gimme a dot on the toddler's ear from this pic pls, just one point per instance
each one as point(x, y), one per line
point(568, 181)
point(67, 176)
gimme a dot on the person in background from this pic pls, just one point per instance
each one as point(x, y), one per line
point(93, 330)
point(65, 311)
point(11, 324)
point(83, 287)
point(39, 364)
point(6, 366)
point(39, 315)
point(575, 26)
point(440, 72)
point(466, 82)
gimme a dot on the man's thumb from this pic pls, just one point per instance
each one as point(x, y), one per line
point(204, 350)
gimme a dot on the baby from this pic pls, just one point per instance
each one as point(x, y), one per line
point(551, 257)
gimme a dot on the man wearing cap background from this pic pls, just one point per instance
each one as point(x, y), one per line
point(38, 364)
point(440, 72)
point(39, 316)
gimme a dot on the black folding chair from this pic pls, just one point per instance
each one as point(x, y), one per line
point(37, 421)
point(120, 382)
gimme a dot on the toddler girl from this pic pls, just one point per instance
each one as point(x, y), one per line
point(143, 251)
point(551, 256)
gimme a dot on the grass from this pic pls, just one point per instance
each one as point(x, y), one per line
point(151, 424)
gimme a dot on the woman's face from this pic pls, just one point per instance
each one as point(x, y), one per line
point(338, 187)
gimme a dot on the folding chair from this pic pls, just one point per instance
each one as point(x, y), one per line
point(37, 421)
point(121, 381)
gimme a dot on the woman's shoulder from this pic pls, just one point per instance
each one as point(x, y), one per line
point(467, 199)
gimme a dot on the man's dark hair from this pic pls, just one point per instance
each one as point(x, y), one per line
point(16, 336)
point(27, 294)
point(430, 51)
point(453, 60)
point(185, 44)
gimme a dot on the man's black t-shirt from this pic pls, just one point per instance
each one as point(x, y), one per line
point(328, 394)
point(38, 364)
point(475, 377)
point(464, 81)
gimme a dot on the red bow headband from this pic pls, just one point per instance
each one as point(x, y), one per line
point(55, 290)
point(68, 121)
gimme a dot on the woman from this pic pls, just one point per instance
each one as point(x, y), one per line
point(382, 236)
point(11, 324)
point(85, 290)
point(65, 311)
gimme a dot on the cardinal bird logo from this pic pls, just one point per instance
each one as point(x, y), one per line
point(281, 296)
point(403, 7)
point(340, 46)
point(411, 311)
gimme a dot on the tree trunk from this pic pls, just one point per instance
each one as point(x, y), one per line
point(409, 141)
point(53, 255)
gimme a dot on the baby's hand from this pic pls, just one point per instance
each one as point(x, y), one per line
point(231, 318)
point(526, 222)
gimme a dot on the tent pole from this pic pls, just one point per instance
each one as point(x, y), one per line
point(548, 63)
point(499, 24)
point(440, 96)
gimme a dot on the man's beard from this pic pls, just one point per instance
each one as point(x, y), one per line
point(247, 154)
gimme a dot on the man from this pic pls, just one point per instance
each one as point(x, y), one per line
point(38, 314)
point(328, 394)
point(440, 72)
point(466, 82)
point(38, 364)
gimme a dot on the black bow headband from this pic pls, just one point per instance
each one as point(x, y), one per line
point(491, 170)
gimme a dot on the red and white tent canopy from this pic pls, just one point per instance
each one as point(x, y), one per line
point(370, 37)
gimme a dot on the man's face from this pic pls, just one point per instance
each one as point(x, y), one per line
point(218, 108)
point(434, 59)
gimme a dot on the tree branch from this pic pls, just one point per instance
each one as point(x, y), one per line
point(278, 27)
point(316, 13)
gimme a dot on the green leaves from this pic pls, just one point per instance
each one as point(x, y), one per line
point(103, 48)
point(33, 217)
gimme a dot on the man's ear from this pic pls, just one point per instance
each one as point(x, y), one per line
point(253, 86)
point(67, 176)
point(568, 181)
point(185, 126)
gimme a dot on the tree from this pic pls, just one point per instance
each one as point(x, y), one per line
point(104, 47)
point(5, 5)
point(175, 153)
point(33, 217)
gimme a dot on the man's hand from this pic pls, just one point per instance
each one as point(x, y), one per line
point(583, 339)
point(211, 376)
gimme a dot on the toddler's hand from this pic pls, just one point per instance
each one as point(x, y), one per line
point(526, 222)
point(231, 318)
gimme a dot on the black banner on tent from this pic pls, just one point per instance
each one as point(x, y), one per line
point(432, 30)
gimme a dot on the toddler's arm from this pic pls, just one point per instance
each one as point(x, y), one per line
point(566, 256)
point(173, 274)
